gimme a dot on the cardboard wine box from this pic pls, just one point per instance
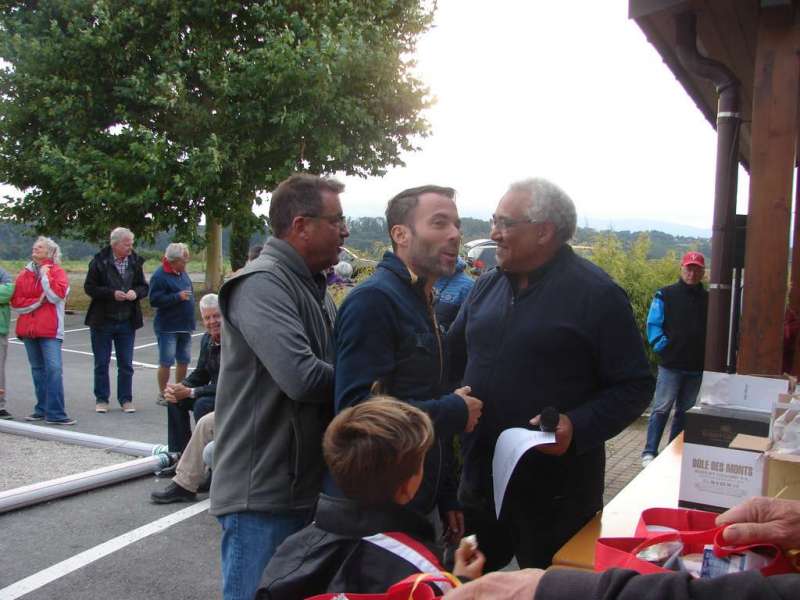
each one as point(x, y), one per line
point(714, 476)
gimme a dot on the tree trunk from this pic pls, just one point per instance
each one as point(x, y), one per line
point(240, 243)
point(213, 255)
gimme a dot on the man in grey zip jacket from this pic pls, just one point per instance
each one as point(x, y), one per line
point(275, 389)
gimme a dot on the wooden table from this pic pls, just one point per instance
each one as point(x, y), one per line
point(655, 486)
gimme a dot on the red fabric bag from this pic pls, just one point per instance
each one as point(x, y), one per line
point(411, 588)
point(679, 519)
point(621, 552)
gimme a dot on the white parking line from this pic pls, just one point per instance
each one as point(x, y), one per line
point(76, 330)
point(65, 567)
point(13, 339)
point(135, 363)
point(156, 343)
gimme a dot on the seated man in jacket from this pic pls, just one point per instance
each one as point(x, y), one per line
point(197, 392)
point(191, 473)
point(375, 453)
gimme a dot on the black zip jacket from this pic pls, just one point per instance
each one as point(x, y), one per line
point(685, 308)
point(568, 340)
point(386, 335)
point(620, 584)
point(330, 555)
point(103, 279)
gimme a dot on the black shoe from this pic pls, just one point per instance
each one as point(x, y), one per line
point(34, 417)
point(206, 485)
point(4, 414)
point(173, 493)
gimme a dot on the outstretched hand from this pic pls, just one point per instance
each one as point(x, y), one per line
point(767, 520)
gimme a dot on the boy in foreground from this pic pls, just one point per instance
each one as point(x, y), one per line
point(367, 541)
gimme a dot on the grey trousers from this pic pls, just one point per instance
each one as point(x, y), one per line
point(191, 469)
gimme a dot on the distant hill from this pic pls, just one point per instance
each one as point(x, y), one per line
point(368, 235)
point(676, 229)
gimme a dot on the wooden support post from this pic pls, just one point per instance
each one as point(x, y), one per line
point(794, 281)
point(772, 157)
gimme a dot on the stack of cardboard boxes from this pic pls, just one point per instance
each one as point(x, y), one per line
point(727, 454)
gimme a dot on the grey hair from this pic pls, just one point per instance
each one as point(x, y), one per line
point(549, 204)
point(176, 250)
point(53, 251)
point(209, 301)
point(119, 234)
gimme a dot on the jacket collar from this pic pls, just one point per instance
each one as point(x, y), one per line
point(342, 516)
point(392, 263)
point(284, 253)
point(107, 254)
point(691, 289)
point(167, 267)
point(34, 268)
point(562, 255)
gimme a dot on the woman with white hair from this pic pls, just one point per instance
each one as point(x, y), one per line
point(172, 296)
point(39, 297)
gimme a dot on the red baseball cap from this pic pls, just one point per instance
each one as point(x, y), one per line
point(693, 258)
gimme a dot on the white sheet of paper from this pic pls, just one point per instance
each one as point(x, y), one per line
point(510, 447)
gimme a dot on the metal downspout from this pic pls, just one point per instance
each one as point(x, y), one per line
point(722, 239)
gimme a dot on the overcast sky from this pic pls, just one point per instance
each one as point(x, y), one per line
point(571, 91)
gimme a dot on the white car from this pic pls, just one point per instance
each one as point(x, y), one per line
point(481, 255)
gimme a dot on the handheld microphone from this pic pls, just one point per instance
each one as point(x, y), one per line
point(548, 419)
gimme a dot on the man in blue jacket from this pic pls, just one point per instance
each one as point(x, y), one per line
point(388, 341)
point(171, 294)
point(547, 328)
point(450, 292)
point(676, 330)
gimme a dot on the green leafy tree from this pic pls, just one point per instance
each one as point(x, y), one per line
point(152, 114)
point(639, 276)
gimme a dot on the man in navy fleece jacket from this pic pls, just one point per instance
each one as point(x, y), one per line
point(546, 328)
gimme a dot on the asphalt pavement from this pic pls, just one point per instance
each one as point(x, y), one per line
point(113, 542)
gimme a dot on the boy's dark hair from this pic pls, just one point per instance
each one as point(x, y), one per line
point(374, 447)
point(299, 195)
point(399, 209)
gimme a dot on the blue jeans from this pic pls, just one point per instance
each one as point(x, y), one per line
point(673, 386)
point(249, 539)
point(174, 347)
point(44, 355)
point(122, 335)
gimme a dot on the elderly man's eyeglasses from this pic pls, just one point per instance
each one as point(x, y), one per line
point(504, 223)
point(338, 220)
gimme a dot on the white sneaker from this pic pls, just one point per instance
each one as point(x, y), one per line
point(647, 459)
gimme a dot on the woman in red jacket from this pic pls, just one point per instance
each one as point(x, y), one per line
point(39, 296)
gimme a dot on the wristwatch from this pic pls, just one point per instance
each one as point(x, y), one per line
point(191, 392)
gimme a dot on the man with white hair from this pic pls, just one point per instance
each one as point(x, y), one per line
point(115, 282)
point(547, 328)
point(172, 296)
point(197, 392)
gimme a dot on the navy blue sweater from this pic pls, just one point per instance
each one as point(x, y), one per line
point(172, 313)
point(568, 340)
point(385, 335)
